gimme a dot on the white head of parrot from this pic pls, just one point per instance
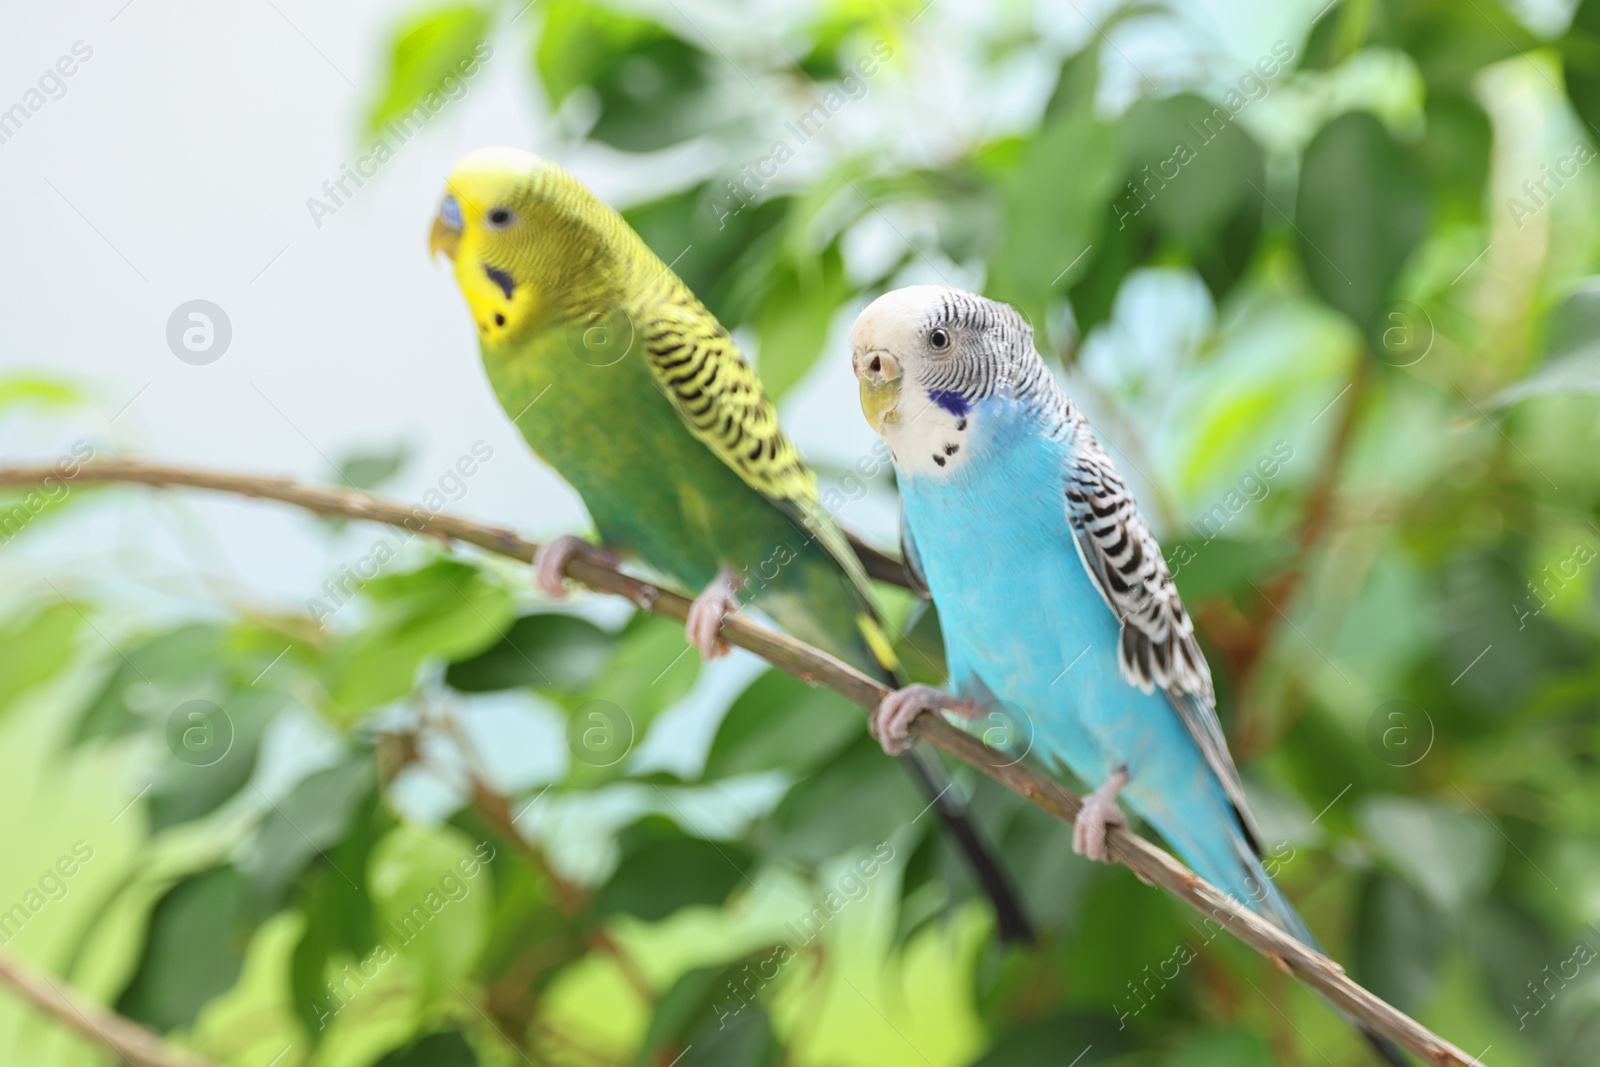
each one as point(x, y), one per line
point(923, 356)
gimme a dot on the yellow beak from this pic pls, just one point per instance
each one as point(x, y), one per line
point(880, 377)
point(443, 238)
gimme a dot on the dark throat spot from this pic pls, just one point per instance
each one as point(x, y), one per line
point(950, 400)
point(506, 282)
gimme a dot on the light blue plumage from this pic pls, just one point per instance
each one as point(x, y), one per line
point(1052, 593)
point(988, 448)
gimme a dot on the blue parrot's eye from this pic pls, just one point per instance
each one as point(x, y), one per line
point(939, 340)
point(450, 213)
point(501, 217)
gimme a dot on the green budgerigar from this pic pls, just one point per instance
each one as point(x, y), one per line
point(620, 379)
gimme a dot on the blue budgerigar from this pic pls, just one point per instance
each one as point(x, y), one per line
point(1052, 593)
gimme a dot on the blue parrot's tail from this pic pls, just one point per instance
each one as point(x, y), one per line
point(1232, 865)
point(1276, 907)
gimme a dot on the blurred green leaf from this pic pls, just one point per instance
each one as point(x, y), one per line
point(858, 798)
point(650, 669)
point(433, 898)
point(549, 652)
point(1572, 350)
point(530, 938)
point(668, 870)
point(924, 895)
point(1490, 611)
point(1056, 202)
point(1399, 939)
point(20, 508)
point(724, 249)
point(150, 679)
point(369, 470)
point(335, 899)
point(429, 61)
point(1122, 928)
point(686, 1004)
point(1220, 566)
point(195, 946)
point(1511, 946)
point(1193, 181)
point(307, 823)
point(1190, 166)
point(799, 307)
point(1221, 1048)
point(34, 645)
point(447, 1048)
point(651, 85)
point(445, 609)
point(1051, 878)
point(1451, 856)
point(745, 1040)
point(1580, 50)
point(780, 723)
point(1456, 153)
point(1055, 1040)
point(192, 784)
point(1362, 208)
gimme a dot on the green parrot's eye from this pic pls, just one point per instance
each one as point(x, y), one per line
point(501, 217)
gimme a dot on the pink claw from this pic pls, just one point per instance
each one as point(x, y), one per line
point(1100, 812)
point(706, 615)
point(891, 722)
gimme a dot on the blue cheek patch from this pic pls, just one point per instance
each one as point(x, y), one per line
point(950, 400)
point(507, 284)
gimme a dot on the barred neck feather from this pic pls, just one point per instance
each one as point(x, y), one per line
point(933, 438)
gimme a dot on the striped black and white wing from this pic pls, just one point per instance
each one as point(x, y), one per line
point(1157, 647)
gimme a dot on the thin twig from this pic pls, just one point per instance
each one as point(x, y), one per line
point(1150, 863)
point(570, 897)
point(132, 1042)
point(1314, 527)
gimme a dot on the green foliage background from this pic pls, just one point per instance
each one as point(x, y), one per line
point(1361, 262)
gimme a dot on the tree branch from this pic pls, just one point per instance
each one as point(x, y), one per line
point(1150, 863)
point(132, 1042)
point(1319, 514)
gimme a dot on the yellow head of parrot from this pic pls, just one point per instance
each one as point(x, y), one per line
point(492, 224)
point(880, 377)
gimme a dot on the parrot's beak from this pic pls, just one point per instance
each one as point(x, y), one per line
point(880, 377)
point(443, 238)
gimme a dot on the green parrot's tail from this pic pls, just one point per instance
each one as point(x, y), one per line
point(1011, 918)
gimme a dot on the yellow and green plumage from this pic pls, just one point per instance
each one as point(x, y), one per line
point(621, 380)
